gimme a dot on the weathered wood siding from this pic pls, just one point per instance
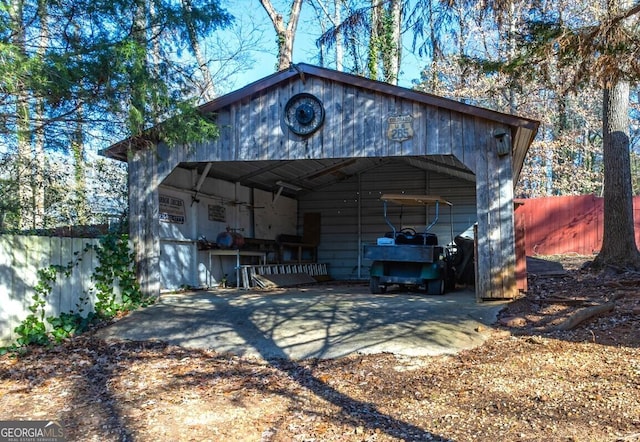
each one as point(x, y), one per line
point(496, 266)
point(355, 126)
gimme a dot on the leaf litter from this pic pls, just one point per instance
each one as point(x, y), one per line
point(528, 382)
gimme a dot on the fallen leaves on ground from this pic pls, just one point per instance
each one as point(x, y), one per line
point(528, 382)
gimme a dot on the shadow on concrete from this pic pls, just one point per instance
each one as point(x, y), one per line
point(321, 322)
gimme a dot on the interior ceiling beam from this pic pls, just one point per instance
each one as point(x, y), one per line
point(377, 162)
point(437, 166)
point(202, 177)
point(260, 171)
point(327, 173)
point(329, 170)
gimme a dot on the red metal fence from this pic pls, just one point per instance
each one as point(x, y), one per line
point(565, 224)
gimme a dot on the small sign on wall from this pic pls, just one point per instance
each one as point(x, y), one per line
point(171, 209)
point(400, 127)
point(217, 213)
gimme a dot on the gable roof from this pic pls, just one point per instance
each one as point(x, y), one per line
point(523, 129)
point(303, 69)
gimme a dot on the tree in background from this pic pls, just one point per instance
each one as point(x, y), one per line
point(285, 32)
point(10, 202)
point(74, 71)
point(329, 16)
point(602, 51)
point(65, 89)
point(548, 60)
point(371, 35)
point(385, 44)
point(617, 44)
point(347, 32)
point(478, 55)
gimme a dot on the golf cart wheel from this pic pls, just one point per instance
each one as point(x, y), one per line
point(375, 287)
point(435, 287)
point(449, 276)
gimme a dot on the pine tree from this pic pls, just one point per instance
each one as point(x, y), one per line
point(102, 68)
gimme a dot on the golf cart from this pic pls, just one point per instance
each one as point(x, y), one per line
point(409, 258)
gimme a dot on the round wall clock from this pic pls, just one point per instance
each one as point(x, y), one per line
point(304, 114)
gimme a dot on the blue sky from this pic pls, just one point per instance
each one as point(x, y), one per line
point(265, 54)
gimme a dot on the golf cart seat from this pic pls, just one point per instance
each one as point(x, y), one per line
point(402, 237)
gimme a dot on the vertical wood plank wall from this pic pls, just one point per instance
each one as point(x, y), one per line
point(355, 126)
point(356, 118)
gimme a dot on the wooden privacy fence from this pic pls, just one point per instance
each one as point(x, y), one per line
point(20, 259)
point(565, 224)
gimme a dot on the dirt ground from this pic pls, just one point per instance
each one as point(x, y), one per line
point(531, 381)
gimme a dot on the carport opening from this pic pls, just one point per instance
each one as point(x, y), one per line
point(296, 217)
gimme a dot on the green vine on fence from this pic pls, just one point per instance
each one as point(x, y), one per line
point(33, 329)
point(115, 287)
point(116, 268)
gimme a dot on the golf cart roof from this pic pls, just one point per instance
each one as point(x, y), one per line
point(413, 200)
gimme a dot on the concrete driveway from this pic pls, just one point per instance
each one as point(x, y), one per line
point(323, 321)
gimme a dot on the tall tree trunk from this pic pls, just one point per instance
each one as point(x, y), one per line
point(462, 47)
point(334, 17)
point(385, 40)
point(208, 91)
point(38, 167)
point(138, 107)
point(284, 33)
point(618, 241)
point(339, 48)
point(39, 157)
point(82, 212)
point(23, 130)
point(395, 43)
point(511, 42)
point(435, 51)
point(153, 54)
point(373, 56)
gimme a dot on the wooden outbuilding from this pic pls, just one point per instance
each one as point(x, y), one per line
point(315, 144)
